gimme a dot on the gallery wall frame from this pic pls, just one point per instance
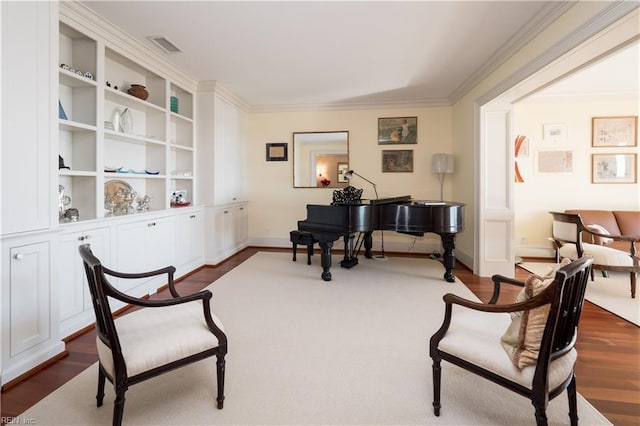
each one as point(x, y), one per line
point(277, 152)
point(554, 161)
point(619, 131)
point(397, 130)
point(399, 160)
point(554, 131)
point(614, 168)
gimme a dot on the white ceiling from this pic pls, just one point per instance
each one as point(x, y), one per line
point(362, 53)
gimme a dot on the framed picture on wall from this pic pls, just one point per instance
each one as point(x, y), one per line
point(614, 131)
point(555, 161)
point(397, 160)
point(554, 131)
point(614, 168)
point(397, 130)
point(277, 152)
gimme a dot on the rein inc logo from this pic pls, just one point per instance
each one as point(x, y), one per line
point(18, 420)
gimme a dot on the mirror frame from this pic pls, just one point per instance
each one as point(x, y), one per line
point(313, 142)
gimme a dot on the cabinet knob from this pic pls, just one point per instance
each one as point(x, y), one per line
point(226, 211)
point(151, 224)
point(18, 256)
point(83, 237)
point(193, 216)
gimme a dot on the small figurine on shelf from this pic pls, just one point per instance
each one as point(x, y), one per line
point(144, 203)
point(61, 164)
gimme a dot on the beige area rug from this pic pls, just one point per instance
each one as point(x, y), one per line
point(353, 351)
point(612, 293)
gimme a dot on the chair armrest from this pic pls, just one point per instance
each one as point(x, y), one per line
point(497, 281)
point(169, 270)
point(630, 238)
point(165, 270)
point(536, 301)
point(111, 291)
point(450, 299)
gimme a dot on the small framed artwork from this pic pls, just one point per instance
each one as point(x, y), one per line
point(397, 160)
point(343, 168)
point(556, 161)
point(614, 131)
point(614, 168)
point(277, 152)
point(397, 130)
point(554, 131)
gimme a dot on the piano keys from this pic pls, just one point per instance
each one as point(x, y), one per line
point(328, 223)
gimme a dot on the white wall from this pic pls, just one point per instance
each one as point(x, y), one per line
point(275, 206)
point(541, 193)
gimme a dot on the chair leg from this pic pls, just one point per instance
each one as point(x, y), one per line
point(605, 274)
point(541, 414)
point(437, 376)
point(295, 248)
point(101, 381)
point(220, 367)
point(118, 407)
point(633, 277)
point(573, 404)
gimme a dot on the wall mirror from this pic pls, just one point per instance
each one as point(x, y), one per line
point(320, 159)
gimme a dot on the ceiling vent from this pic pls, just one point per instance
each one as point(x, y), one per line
point(164, 44)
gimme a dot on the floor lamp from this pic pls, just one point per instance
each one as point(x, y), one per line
point(442, 164)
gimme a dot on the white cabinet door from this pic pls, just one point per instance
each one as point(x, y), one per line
point(189, 241)
point(76, 310)
point(27, 116)
point(241, 225)
point(229, 139)
point(161, 240)
point(29, 308)
point(144, 246)
point(224, 231)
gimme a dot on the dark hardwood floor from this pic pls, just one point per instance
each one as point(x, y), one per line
point(607, 370)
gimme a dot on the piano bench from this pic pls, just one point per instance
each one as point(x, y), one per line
point(302, 237)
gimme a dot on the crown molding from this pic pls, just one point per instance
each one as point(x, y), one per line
point(87, 21)
point(345, 106)
point(532, 29)
point(213, 86)
point(599, 22)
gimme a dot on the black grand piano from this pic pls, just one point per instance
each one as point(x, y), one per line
point(327, 223)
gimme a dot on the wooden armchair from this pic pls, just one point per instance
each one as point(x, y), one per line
point(567, 233)
point(164, 335)
point(540, 366)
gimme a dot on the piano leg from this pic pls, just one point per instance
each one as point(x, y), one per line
point(349, 260)
point(325, 258)
point(368, 244)
point(448, 258)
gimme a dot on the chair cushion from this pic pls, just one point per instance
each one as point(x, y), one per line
point(475, 337)
point(600, 230)
point(152, 337)
point(602, 255)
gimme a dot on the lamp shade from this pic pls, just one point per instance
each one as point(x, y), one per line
point(442, 163)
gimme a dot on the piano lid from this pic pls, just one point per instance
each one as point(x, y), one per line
point(391, 200)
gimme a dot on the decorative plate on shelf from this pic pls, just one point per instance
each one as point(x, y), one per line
point(115, 190)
